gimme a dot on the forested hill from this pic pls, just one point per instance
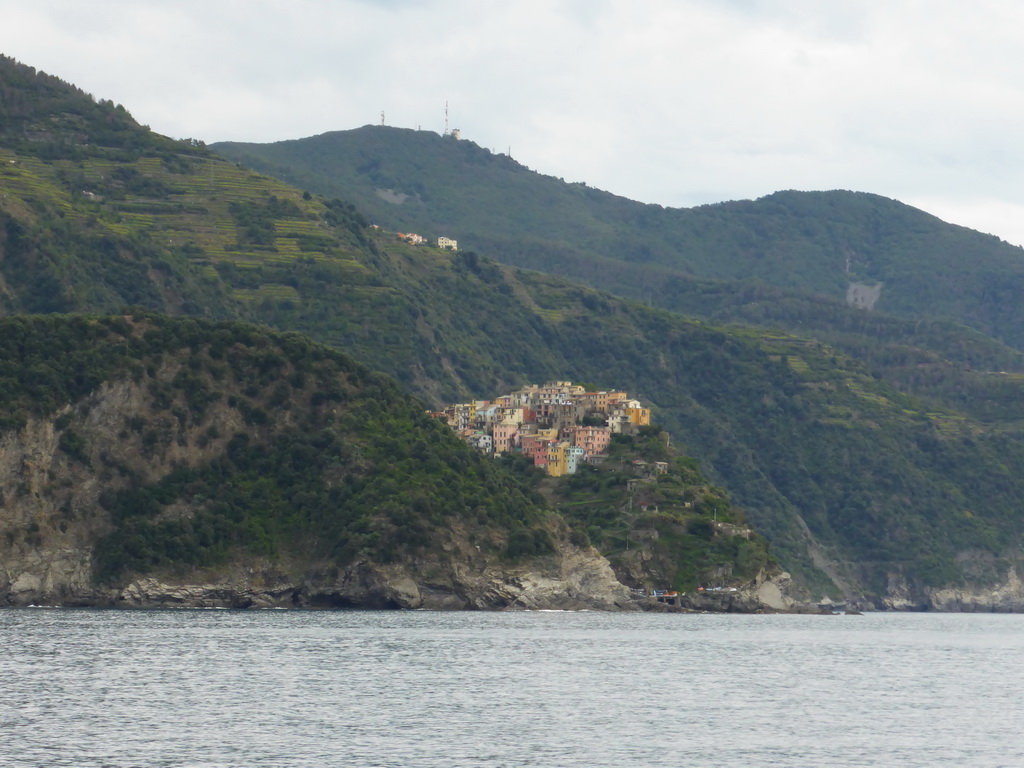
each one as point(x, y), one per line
point(49, 117)
point(184, 449)
point(818, 243)
point(832, 458)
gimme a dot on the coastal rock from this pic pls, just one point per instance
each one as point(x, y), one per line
point(994, 593)
point(571, 580)
point(900, 595)
point(1007, 597)
point(771, 593)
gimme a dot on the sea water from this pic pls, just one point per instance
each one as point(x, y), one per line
point(261, 689)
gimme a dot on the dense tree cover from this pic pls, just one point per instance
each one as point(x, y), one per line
point(48, 362)
point(329, 494)
point(42, 115)
point(334, 462)
point(661, 530)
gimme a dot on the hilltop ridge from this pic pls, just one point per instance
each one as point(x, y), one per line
point(837, 244)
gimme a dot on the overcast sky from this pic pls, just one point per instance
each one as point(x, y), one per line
point(677, 102)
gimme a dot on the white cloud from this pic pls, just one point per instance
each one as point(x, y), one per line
point(671, 101)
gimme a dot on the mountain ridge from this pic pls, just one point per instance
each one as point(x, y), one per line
point(814, 242)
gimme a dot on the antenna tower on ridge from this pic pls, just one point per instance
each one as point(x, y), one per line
point(382, 117)
point(446, 118)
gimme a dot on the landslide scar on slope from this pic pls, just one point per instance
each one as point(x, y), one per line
point(862, 295)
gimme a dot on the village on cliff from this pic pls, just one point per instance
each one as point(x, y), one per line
point(559, 425)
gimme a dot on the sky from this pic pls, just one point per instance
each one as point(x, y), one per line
point(675, 102)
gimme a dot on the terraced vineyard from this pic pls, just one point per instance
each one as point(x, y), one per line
point(187, 209)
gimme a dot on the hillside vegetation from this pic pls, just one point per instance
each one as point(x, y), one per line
point(172, 446)
point(95, 220)
point(805, 243)
point(258, 442)
point(906, 461)
point(660, 530)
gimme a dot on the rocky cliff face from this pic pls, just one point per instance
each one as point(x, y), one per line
point(1002, 595)
point(569, 580)
point(50, 515)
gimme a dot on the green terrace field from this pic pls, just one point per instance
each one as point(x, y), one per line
point(191, 208)
point(794, 254)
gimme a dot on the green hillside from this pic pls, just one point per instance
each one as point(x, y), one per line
point(855, 460)
point(326, 458)
point(813, 243)
point(91, 225)
point(212, 443)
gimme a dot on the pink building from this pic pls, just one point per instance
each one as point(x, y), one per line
point(593, 440)
point(506, 436)
point(535, 446)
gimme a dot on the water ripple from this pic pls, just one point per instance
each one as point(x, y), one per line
point(227, 689)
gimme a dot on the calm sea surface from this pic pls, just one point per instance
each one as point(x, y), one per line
point(273, 688)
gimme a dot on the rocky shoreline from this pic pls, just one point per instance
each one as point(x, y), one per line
point(574, 580)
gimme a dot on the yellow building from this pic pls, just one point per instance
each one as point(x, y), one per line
point(558, 459)
point(639, 416)
point(603, 401)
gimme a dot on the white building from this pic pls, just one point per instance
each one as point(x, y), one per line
point(574, 456)
point(481, 441)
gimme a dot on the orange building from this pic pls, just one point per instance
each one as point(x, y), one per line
point(558, 463)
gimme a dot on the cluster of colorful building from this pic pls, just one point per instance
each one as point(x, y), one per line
point(546, 424)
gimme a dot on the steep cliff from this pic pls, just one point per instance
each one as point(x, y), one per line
point(999, 592)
